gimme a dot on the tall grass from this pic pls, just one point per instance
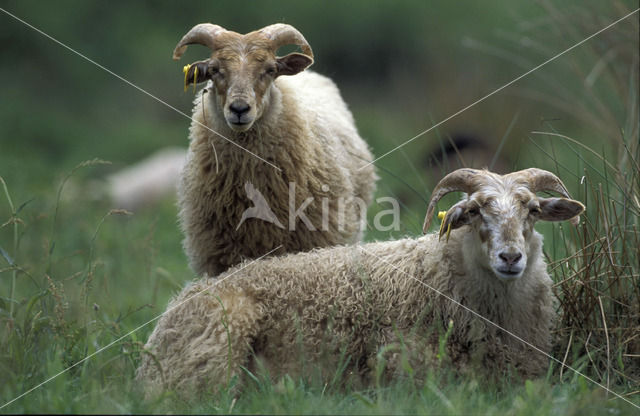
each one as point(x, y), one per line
point(599, 284)
point(56, 309)
point(597, 266)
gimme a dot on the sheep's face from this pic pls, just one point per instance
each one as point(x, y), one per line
point(502, 217)
point(242, 70)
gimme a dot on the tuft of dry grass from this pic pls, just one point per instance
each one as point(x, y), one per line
point(599, 285)
point(598, 272)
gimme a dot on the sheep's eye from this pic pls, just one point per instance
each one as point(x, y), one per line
point(270, 70)
point(214, 70)
point(535, 210)
point(473, 211)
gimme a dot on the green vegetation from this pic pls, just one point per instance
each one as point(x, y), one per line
point(78, 274)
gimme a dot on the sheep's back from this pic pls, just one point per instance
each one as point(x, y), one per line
point(332, 122)
point(341, 300)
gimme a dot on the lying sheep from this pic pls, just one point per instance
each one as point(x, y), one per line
point(294, 141)
point(348, 305)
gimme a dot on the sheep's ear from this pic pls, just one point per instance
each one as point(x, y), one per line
point(196, 73)
point(560, 209)
point(458, 215)
point(293, 63)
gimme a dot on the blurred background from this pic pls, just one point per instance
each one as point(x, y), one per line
point(402, 66)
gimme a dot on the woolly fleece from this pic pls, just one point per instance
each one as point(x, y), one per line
point(309, 133)
point(338, 306)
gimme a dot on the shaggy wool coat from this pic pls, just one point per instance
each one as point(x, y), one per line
point(307, 132)
point(355, 308)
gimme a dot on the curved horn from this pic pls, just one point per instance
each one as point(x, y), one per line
point(282, 34)
point(458, 180)
point(542, 180)
point(203, 34)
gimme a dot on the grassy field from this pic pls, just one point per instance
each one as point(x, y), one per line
point(82, 280)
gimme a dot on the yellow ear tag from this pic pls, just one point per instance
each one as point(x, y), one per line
point(185, 69)
point(441, 216)
point(195, 78)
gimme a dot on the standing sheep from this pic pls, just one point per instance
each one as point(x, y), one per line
point(260, 130)
point(351, 303)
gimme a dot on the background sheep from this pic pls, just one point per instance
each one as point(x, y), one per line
point(300, 143)
point(345, 303)
point(147, 181)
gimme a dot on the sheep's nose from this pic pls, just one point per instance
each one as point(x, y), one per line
point(239, 107)
point(510, 258)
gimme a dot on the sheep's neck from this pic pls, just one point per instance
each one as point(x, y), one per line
point(478, 288)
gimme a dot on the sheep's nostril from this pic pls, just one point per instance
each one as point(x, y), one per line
point(510, 258)
point(239, 107)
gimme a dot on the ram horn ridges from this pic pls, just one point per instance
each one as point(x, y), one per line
point(539, 180)
point(458, 180)
point(282, 34)
point(202, 34)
